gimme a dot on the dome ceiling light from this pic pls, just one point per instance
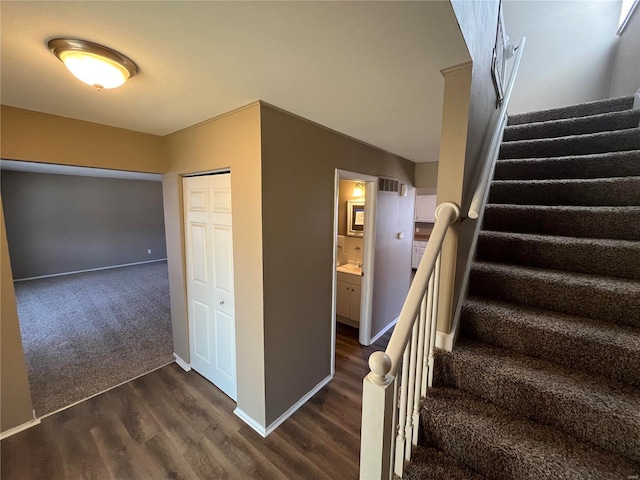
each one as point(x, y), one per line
point(95, 65)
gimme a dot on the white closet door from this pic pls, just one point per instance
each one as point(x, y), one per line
point(209, 251)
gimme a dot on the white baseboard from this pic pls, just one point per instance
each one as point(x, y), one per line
point(251, 422)
point(383, 331)
point(280, 420)
point(88, 270)
point(19, 428)
point(181, 363)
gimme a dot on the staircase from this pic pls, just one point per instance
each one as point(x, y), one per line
point(544, 382)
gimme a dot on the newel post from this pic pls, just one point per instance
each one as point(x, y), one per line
point(377, 430)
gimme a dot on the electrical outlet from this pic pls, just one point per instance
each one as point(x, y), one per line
point(149, 251)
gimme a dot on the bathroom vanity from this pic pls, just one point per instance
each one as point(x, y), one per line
point(348, 293)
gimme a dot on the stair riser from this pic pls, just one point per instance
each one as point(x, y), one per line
point(586, 298)
point(620, 164)
point(593, 108)
point(617, 224)
point(580, 126)
point(613, 192)
point(481, 377)
point(431, 464)
point(586, 353)
point(576, 255)
point(621, 140)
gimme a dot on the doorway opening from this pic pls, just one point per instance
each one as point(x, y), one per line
point(354, 245)
point(88, 259)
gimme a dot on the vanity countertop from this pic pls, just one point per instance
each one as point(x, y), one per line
point(350, 268)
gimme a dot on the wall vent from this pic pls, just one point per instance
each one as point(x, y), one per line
point(388, 185)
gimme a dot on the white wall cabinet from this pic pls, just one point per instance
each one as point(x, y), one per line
point(426, 208)
point(418, 251)
point(348, 298)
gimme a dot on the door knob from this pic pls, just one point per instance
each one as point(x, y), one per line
point(221, 302)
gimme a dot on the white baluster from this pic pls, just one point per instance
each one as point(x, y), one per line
point(392, 452)
point(420, 372)
point(402, 416)
point(434, 323)
point(430, 320)
point(411, 390)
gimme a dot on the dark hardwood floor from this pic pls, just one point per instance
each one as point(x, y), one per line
point(173, 424)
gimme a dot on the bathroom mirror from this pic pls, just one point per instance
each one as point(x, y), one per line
point(355, 218)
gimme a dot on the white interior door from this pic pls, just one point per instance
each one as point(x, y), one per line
point(209, 258)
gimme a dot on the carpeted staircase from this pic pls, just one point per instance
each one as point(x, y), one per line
point(544, 382)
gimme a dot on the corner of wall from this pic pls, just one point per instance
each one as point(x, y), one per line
point(16, 407)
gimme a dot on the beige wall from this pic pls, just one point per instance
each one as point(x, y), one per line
point(299, 159)
point(228, 142)
point(15, 402)
point(426, 175)
point(569, 53)
point(625, 78)
point(39, 137)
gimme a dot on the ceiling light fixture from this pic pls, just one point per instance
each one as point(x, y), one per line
point(95, 65)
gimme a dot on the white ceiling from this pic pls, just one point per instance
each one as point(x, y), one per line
point(370, 70)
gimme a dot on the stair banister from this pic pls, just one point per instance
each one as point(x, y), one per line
point(389, 423)
point(446, 214)
point(479, 198)
point(390, 399)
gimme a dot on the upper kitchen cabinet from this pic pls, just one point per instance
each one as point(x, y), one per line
point(426, 208)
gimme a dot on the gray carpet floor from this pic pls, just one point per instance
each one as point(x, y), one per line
point(544, 382)
point(87, 332)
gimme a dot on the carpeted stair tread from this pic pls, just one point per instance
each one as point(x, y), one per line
point(615, 258)
point(430, 464)
point(602, 142)
point(617, 191)
point(621, 223)
point(600, 165)
point(608, 299)
point(544, 381)
point(494, 442)
point(573, 111)
point(602, 122)
point(607, 349)
point(583, 405)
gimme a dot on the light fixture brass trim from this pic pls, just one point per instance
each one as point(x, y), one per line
point(61, 45)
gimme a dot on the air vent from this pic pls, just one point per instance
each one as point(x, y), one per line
point(388, 185)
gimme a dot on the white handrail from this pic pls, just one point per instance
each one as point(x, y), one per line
point(480, 194)
point(389, 422)
point(446, 214)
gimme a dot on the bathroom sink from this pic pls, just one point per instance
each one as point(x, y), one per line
point(351, 268)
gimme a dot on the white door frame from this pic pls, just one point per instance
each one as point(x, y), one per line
point(368, 255)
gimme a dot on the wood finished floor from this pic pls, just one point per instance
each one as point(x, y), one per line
point(177, 425)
